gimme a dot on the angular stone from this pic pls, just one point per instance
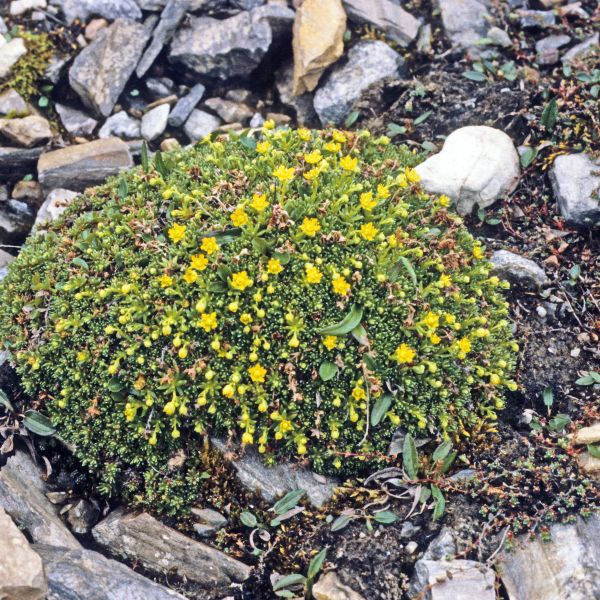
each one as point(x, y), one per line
point(26, 131)
point(18, 161)
point(10, 53)
point(169, 144)
point(589, 464)
point(120, 125)
point(94, 27)
point(22, 574)
point(76, 122)
point(109, 9)
point(54, 70)
point(13, 105)
point(589, 48)
point(55, 204)
point(453, 580)
point(547, 48)
point(499, 37)
point(329, 587)
point(185, 106)
point(29, 192)
point(536, 18)
point(154, 122)
point(273, 482)
point(318, 41)
point(159, 87)
point(477, 165)
point(87, 575)
point(83, 165)
point(200, 124)
point(232, 47)
point(100, 72)
point(135, 537)
point(575, 180)
point(209, 517)
point(587, 435)
point(22, 495)
point(82, 516)
point(230, 111)
point(567, 567)
point(302, 104)
point(19, 7)
point(386, 15)
point(465, 21)
point(16, 220)
point(368, 62)
point(518, 270)
point(170, 18)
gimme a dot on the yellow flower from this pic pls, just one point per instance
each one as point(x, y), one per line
point(228, 391)
point(432, 320)
point(199, 262)
point(330, 342)
point(263, 147)
point(245, 318)
point(257, 373)
point(274, 266)
point(435, 339)
point(382, 191)
point(444, 201)
point(368, 231)
point(169, 408)
point(338, 136)
point(259, 202)
point(190, 275)
point(310, 226)
point(340, 285)
point(303, 134)
point(332, 147)
point(177, 232)
point(367, 201)
point(445, 281)
point(478, 251)
point(247, 438)
point(348, 163)
point(464, 345)
point(240, 281)
point(269, 124)
point(209, 245)
point(450, 319)
point(412, 175)
point(312, 174)
point(314, 157)
point(313, 275)
point(208, 321)
point(165, 281)
point(239, 217)
point(358, 393)
point(284, 174)
point(404, 354)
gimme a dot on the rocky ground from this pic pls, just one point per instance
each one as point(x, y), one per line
point(84, 84)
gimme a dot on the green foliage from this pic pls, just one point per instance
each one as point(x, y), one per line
point(203, 292)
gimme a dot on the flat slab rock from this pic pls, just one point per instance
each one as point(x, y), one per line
point(465, 21)
point(83, 165)
point(329, 587)
point(518, 270)
point(140, 537)
point(23, 497)
point(274, 482)
point(476, 166)
point(87, 575)
point(566, 568)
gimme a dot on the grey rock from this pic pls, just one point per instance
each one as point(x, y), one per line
point(29, 192)
point(5, 260)
point(273, 482)
point(12, 104)
point(26, 131)
point(518, 270)
point(209, 516)
point(547, 48)
point(57, 497)
point(568, 567)
point(134, 537)
point(463, 474)
point(229, 111)
point(18, 161)
point(16, 220)
point(239, 95)
point(246, 4)
point(101, 71)
point(169, 21)
point(109, 9)
point(19, 7)
point(538, 19)
point(442, 547)
point(76, 122)
point(22, 574)
point(465, 21)
point(398, 24)
point(83, 165)
point(55, 204)
point(152, 5)
point(302, 104)
point(368, 62)
point(232, 47)
point(10, 53)
point(257, 120)
point(55, 67)
point(120, 125)
point(159, 87)
point(575, 180)
point(409, 529)
point(499, 37)
point(200, 124)
point(453, 580)
point(424, 39)
point(588, 48)
point(185, 105)
point(83, 516)
point(154, 122)
point(22, 495)
point(3, 27)
point(477, 165)
point(87, 575)
point(329, 587)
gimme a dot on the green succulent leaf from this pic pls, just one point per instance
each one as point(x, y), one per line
point(380, 407)
point(328, 370)
point(346, 325)
point(410, 457)
point(38, 423)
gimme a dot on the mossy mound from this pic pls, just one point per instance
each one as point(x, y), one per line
point(301, 294)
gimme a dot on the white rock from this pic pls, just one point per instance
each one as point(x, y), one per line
point(18, 7)
point(120, 125)
point(10, 53)
point(200, 124)
point(55, 204)
point(154, 122)
point(477, 165)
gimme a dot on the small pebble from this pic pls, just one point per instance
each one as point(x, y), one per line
point(541, 311)
point(411, 547)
